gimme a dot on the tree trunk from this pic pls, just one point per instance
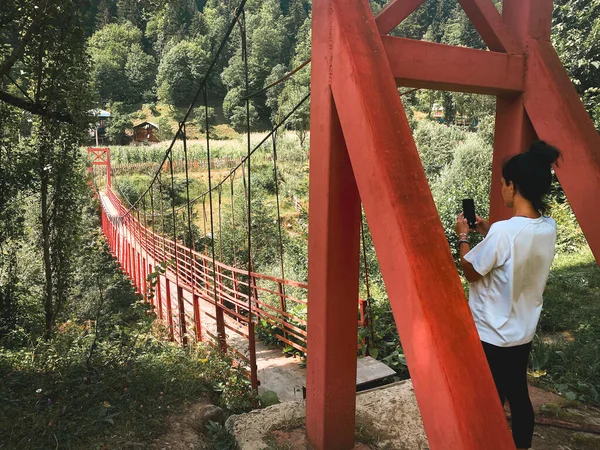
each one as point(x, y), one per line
point(46, 253)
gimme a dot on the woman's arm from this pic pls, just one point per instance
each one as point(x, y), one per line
point(482, 225)
point(462, 230)
point(470, 273)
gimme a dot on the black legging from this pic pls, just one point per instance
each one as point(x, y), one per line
point(509, 369)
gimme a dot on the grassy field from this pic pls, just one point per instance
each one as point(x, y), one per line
point(566, 354)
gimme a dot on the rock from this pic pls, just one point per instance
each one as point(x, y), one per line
point(390, 412)
point(212, 413)
point(269, 398)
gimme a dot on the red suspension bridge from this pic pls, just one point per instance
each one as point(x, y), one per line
point(201, 299)
point(362, 152)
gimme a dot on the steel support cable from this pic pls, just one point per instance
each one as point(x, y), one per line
point(251, 337)
point(180, 307)
point(219, 191)
point(201, 88)
point(153, 232)
point(145, 247)
point(256, 147)
point(233, 223)
point(187, 189)
point(369, 307)
point(204, 219)
point(292, 73)
point(20, 88)
point(275, 174)
point(137, 237)
point(162, 226)
point(191, 239)
point(282, 299)
point(275, 83)
point(221, 338)
point(172, 195)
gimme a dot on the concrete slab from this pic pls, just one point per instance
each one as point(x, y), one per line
point(389, 412)
point(283, 375)
point(368, 369)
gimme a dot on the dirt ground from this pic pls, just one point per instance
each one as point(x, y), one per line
point(545, 438)
point(185, 431)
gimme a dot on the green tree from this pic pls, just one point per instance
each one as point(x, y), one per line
point(120, 67)
point(104, 14)
point(467, 176)
point(170, 23)
point(436, 144)
point(140, 71)
point(576, 37)
point(47, 58)
point(165, 131)
point(296, 88)
point(120, 121)
point(181, 71)
point(265, 46)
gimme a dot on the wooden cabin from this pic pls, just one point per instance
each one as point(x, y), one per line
point(145, 132)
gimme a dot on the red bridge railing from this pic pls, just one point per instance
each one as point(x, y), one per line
point(199, 300)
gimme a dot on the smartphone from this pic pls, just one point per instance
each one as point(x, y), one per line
point(469, 211)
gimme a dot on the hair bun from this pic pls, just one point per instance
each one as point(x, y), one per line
point(544, 153)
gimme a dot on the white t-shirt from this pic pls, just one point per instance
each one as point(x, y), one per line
point(514, 261)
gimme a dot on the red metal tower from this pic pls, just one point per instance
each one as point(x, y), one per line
point(362, 150)
point(100, 156)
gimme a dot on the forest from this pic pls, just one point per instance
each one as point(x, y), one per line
point(83, 363)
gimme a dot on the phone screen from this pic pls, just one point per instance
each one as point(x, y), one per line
point(469, 211)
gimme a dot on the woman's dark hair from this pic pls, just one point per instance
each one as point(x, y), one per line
point(531, 173)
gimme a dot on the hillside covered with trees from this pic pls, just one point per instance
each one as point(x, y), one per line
point(83, 363)
point(153, 52)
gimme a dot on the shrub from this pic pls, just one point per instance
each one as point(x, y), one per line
point(436, 144)
point(468, 176)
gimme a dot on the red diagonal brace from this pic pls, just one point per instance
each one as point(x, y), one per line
point(559, 117)
point(394, 13)
point(488, 22)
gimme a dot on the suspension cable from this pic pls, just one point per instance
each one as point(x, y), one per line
point(202, 87)
point(219, 191)
point(233, 223)
point(251, 337)
point(275, 174)
point(370, 322)
point(191, 242)
point(275, 83)
point(256, 147)
point(212, 223)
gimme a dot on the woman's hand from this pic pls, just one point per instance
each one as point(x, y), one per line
point(482, 225)
point(462, 225)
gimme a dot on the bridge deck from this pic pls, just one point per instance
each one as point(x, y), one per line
point(193, 286)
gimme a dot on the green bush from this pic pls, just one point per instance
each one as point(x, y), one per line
point(109, 376)
point(569, 237)
point(469, 175)
point(436, 144)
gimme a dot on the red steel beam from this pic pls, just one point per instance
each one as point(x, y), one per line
point(445, 67)
point(558, 116)
point(513, 130)
point(528, 18)
point(435, 324)
point(333, 269)
point(488, 22)
point(394, 13)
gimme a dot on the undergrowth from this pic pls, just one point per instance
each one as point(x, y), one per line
point(109, 376)
point(566, 355)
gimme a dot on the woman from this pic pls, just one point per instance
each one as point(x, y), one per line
point(508, 271)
